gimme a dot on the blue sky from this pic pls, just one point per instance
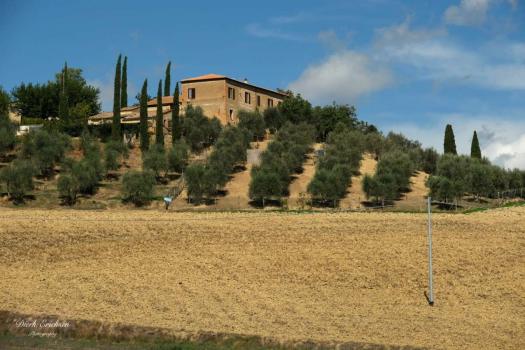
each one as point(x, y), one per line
point(408, 66)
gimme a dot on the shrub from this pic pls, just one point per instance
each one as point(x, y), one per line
point(18, 179)
point(87, 174)
point(155, 160)
point(254, 123)
point(7, 135)
point(138, 187)
point(68, 188)
point(194, 177)
point(178, 157)
point(284, 156)
point(273, 119)
point(45, 149)
point(199, 130)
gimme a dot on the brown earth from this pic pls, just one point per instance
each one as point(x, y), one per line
point(355, 194)
point(323, 276)
point(298, 186)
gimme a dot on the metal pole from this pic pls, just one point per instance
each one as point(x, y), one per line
point(431, 291)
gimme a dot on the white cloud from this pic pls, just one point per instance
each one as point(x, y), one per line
point(342, 77)
point(437, 57)
point(468, 12)
point(501, 140)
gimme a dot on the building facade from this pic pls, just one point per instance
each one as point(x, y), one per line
point(217, 95)
point(223, 97)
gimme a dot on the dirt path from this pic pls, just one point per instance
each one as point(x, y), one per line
point(299, 185)
point(416, 198)
point(355, 192)
point(237, 189)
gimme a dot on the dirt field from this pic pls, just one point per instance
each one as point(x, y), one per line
point(325, 277)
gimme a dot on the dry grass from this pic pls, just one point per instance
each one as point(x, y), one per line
point(326, 277)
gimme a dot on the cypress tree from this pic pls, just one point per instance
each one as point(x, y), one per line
point(124, 87)
point(159, 132)
point(144, 135)
point(450, 141)
point(475, 150)
point(116, 132)
point(175, 121)
point(167, 80)
point(63, 103)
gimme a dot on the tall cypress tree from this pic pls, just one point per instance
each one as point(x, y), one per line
point(159, 132)
point(63, 102)
point(176, 129)
point(450, 141)
point(167, 80)
point(116, 132)
point(143, 127)
point(475, 150)
point(124, 85)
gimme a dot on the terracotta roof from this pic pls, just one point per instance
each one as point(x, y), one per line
point(206, 77)
point(166, 100)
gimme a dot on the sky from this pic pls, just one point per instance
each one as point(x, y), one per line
point(407, 66)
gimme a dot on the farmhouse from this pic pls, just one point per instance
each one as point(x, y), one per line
point(219, 96)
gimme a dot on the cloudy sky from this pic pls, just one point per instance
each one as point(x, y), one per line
point(408, 66)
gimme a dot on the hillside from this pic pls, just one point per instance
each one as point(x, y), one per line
point(356, 196)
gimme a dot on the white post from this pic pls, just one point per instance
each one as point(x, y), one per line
point(431, 291)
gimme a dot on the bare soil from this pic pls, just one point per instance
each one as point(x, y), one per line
point(322, 276)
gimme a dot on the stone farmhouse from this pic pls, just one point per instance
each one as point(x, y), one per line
point(219, 96)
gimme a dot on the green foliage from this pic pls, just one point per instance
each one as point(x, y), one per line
point(327, 117)
point(5, 101)
point(176, 127)
point(167, 80)
point(254, 123)
point(198, 130)
point(18, 179)
point(68, 188)
point(296, 109)
point(138, 187)
point(392, 176)
point(124, 84)
point(45, 149)
point(449, 144)
point(143, 127)
point(475, 150)
point(42, 100)
point(159, 128)
point(230, 150)
point(87, 173)
point(334, 171)
point(112, 152)
point(196, 185)
point(178, 157)
point(155, 160)
point(63, 104)
point(7, 129)
point(283, 157)
point(273, 119)
point(116, 132)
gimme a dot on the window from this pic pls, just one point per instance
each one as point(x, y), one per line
point(247, 98)
point(231, 93)
point(191, 93)
point(231, 115)
point(258, 101)
point(270, 102)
